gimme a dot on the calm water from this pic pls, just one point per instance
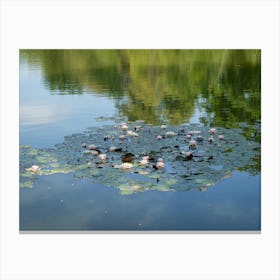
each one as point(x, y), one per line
point(65, 92)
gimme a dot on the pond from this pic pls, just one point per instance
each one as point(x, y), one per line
point(137, 140)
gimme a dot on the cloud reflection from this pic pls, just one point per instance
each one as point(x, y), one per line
point(41, 114)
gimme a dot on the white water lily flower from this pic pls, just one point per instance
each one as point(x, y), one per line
point(144, 162)
point(126, 165)
point(102, 156)
point(122, 137)
point(145, 157)
point(34, 168)
point(124, 126)
point(159, 137)
point(112, 149)
point(170, 133)
point(160, 164)
point(132, 133)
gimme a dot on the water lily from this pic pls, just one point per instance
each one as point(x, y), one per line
point(34, 168)
point(192, 144)
point(159, 137)
point(189, 155)
point(124, 126)
point(132, 133)
point(160, 164)
point(144, 162)
point(146, 158)
point(221, 137)
point(102, 156)
point(137, 128)
point(170, 134)
point(122, 137)
point(126, 165)
point(188, 136)
point(211, 139)
point(212, 130)
point(84, 145)
point(163, 126)
point(94, 152)
point(91, 147)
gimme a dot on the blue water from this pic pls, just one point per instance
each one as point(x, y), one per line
point(46, 118)
point(61, 202)
point(64, 203)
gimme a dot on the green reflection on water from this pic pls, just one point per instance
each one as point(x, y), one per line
point(160, 85)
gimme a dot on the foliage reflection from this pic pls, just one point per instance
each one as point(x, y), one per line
point(160, 85)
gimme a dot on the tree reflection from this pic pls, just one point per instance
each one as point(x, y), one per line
point(160, 85)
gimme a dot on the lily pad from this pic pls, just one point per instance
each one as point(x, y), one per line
point(210, 161)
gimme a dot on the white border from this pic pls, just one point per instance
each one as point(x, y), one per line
point(135, 24)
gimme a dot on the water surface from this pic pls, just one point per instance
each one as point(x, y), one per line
point(63, 92)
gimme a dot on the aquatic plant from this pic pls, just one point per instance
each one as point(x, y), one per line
point(137, 164)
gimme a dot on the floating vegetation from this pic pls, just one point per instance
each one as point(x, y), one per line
point(113, 156)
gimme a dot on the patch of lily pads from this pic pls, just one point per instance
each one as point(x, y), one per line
point(137, 157)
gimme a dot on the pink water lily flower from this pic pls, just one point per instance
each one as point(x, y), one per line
point(212, 130)
point(193, 144)
point(91, 147)
point(34, 168)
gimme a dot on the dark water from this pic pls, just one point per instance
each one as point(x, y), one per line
point(64, 92)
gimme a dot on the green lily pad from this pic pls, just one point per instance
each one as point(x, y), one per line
point(210, 163)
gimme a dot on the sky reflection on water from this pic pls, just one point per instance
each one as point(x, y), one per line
point(85, 206)
point(62, 95)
